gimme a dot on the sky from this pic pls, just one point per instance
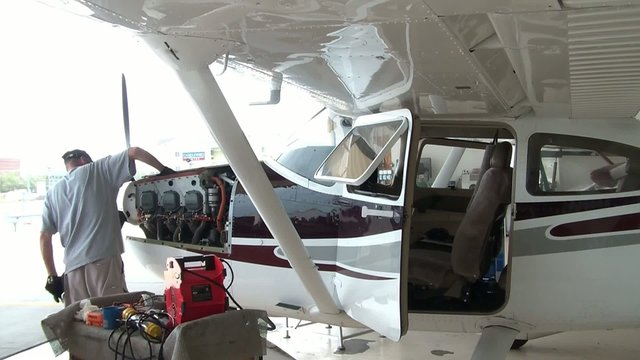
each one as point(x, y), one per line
point(60, 89)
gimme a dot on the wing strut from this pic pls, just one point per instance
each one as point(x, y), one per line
point(224, 127)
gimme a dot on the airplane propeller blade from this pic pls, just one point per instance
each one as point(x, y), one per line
point(125, 111)
point(127, 136)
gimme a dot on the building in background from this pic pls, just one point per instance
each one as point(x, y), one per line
point(196, 158)
point(53, 176)
point(9, 165)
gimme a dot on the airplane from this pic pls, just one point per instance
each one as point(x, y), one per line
point(478, 170)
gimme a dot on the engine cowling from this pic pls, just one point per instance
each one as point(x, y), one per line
point(189, 206)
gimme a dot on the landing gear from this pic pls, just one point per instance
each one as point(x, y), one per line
point(494, 343)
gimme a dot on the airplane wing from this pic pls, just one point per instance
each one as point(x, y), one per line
point(438, 58)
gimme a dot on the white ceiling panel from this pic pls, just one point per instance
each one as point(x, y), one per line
point(604, 61)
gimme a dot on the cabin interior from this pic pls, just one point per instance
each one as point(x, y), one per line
point(461, 206)
point(459, 193)
point(459, 212)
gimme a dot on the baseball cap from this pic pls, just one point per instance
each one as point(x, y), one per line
point(74, 154)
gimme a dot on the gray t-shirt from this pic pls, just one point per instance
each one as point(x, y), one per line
point(82, 208)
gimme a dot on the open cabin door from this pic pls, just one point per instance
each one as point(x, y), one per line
point(370, 162)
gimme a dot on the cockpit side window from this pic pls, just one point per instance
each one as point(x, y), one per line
point(564, 164)
point(386, 180)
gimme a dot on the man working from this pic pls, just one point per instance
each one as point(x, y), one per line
point(82, 208)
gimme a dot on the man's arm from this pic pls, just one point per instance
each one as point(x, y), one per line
point(136, 153)
point(55, 283)
point(47, 253)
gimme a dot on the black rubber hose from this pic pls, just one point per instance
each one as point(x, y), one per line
point(197, 235)
point(176, 234)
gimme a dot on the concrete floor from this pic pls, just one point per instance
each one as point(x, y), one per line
point(21, 325)
point(315, 341)
point(43, 352)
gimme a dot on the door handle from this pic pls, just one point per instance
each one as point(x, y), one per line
point(375, 212)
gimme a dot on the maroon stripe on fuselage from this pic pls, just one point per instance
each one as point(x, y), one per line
point(598, 226)
point(171, 176)
point(265, 255)
point(314, 215)
point(262, 255)
point(358, 275)
point(183, 173)
point(526, 211)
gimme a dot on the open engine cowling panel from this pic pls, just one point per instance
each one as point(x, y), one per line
point(188, 207)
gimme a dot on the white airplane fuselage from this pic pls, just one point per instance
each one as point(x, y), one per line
point(571, 252)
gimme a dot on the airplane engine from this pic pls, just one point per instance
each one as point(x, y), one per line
point(186, 207)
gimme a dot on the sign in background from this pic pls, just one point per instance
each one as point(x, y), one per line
point(193, 156)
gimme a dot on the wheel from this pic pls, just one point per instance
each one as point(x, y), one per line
point(517, 344)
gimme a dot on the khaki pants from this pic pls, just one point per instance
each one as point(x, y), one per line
point(99, 278)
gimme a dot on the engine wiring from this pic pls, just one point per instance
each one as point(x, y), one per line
point(231, 271)
point(223, 196)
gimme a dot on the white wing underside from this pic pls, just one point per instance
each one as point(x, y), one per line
point(438, 58)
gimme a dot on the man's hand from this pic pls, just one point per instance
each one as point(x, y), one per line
point(167, 171)
point(55, 286)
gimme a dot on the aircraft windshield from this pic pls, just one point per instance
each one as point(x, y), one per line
point(310, 146)
point(304, 161)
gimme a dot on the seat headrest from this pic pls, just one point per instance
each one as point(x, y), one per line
point(633, 166)
point(501, 157)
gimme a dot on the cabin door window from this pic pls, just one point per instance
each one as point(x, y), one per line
point(565, 165)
